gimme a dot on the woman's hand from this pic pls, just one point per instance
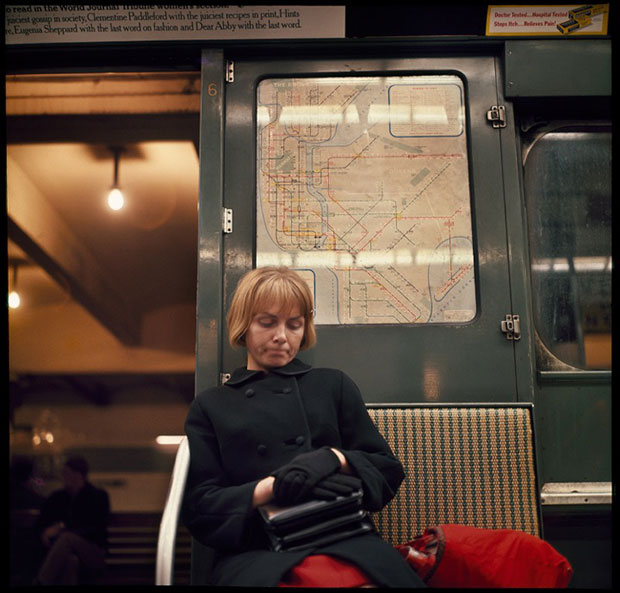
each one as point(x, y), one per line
point(263, 492)
point(337, 485)
point(295, 479)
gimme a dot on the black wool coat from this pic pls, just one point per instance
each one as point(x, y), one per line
point(242, 431)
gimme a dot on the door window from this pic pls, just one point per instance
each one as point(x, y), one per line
point(568, 193)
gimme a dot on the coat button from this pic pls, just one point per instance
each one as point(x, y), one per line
point(287, 390)
point(300, 440)
point(261, 449)
point(249, 392)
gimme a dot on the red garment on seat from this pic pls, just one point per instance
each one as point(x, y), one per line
point(462, 556)
point(322, 570)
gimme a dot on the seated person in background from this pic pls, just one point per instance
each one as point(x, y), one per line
point(73, 528)
point(281, 431)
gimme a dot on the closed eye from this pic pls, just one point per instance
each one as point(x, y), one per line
point(296, 323)
point(266, 320)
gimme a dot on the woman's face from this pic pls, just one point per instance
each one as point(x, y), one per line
point(274, 337)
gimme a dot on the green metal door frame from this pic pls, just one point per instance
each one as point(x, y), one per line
point(210, 244)
point(209, 309)
point(516, 245)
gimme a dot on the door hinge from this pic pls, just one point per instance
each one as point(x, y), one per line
point(224, 377)
point(230, 71)
point(511, 326)
point(497, 116)
point(227, 220)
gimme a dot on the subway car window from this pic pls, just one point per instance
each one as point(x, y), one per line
point(363, 186)
point(568, 195)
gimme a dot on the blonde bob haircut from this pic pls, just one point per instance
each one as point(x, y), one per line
point(258, 290)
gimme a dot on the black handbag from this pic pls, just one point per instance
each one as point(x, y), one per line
point(314, 523)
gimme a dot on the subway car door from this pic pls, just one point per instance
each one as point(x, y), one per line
point(380, 181)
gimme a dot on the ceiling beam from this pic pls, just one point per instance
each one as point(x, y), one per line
point(103, 93)
point(102, 129)
point(40, 232)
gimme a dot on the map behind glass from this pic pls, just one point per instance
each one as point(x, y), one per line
point(363, 187)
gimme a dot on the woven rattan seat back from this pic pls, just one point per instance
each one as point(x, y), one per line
point(470, 465)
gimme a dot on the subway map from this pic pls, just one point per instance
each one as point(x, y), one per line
point(363, 187)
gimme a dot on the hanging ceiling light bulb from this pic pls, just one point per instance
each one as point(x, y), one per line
point(116, 200)
point(14, 299)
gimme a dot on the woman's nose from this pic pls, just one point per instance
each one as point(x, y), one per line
point(279, 335)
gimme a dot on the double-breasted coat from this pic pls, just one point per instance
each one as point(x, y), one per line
point(242, 431)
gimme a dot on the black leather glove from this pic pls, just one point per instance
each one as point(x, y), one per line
point(295, 479)
point(331, 487)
